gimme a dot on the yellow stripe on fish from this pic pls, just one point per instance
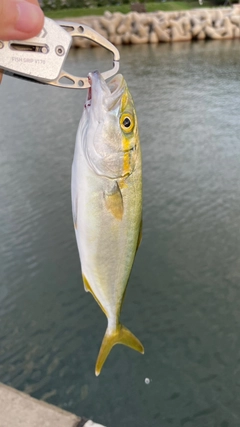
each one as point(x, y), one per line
point(127, 123)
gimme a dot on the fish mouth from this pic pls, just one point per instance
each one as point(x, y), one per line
point(117, 83)
point(101, 92)
point(89, 93)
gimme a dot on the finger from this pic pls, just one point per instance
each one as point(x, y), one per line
point(20, 19)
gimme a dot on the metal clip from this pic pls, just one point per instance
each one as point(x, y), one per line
point(76, 30)
point(41, 58)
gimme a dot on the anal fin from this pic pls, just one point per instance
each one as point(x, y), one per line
point(139, 235)
point(88, 288)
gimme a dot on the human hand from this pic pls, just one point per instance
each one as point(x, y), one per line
point(20, 19)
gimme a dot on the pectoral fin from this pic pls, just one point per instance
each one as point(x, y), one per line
point(114, 201)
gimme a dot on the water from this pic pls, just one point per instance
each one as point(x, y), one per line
point(183, 299)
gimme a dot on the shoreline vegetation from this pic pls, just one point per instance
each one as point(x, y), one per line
point(155, 26)
point(165, 6)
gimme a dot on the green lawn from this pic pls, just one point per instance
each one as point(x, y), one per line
point(125, 8)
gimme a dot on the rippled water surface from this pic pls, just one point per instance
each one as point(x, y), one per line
point(183, 299)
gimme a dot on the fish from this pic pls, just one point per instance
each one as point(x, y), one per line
point(106, 191)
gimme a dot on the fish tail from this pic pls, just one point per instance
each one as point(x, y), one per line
point(120, 336)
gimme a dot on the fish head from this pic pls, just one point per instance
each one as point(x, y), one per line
point(111, 142)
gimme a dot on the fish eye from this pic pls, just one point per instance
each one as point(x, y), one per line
point(127, 122)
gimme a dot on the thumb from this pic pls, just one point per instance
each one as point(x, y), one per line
point(20, 19)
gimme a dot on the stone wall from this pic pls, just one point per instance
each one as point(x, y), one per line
point(165, 27)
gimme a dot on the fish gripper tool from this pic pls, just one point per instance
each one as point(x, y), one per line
point(41, 58)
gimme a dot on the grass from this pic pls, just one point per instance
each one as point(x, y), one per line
point(124, 8)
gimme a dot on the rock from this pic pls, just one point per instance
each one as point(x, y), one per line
point(96, 26)
point(218, 23)
point(135, 17)
point(197, 29)
point(221, 31)
point(104, 22)
point(164, 24)
point(174, 15)
point(142, 30)
point(163, 36)
point(194, 21)
point(160, 15)
point(211, 33)
point(145, 19)
point(187, 14)
point(138, 28)
point(117, 40)
point(177, 36)
point(153, 37)
point(114, 23)
point(111, 29)
point(126, 38)
point(177, 26)
point(236, 32)
point(201, 35)
point(236, 9)
point(216, 15)
point(208, 20)
point(107, 14)
point(228, 27)
point(235, 19)
point(122, 29)
point(125, 24)
point(186, 24)
point(110, 25)
point(135, 39)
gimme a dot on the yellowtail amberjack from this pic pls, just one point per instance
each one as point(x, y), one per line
point(107, 201)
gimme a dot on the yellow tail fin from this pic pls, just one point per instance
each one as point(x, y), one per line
point(121, 336)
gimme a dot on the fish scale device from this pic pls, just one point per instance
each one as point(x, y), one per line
point(41, 58)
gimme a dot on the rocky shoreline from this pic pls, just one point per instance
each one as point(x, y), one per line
point(163, 27)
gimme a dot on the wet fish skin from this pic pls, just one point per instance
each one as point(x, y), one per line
point(107, 201)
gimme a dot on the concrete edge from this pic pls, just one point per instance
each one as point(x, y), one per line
point(18, 409)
